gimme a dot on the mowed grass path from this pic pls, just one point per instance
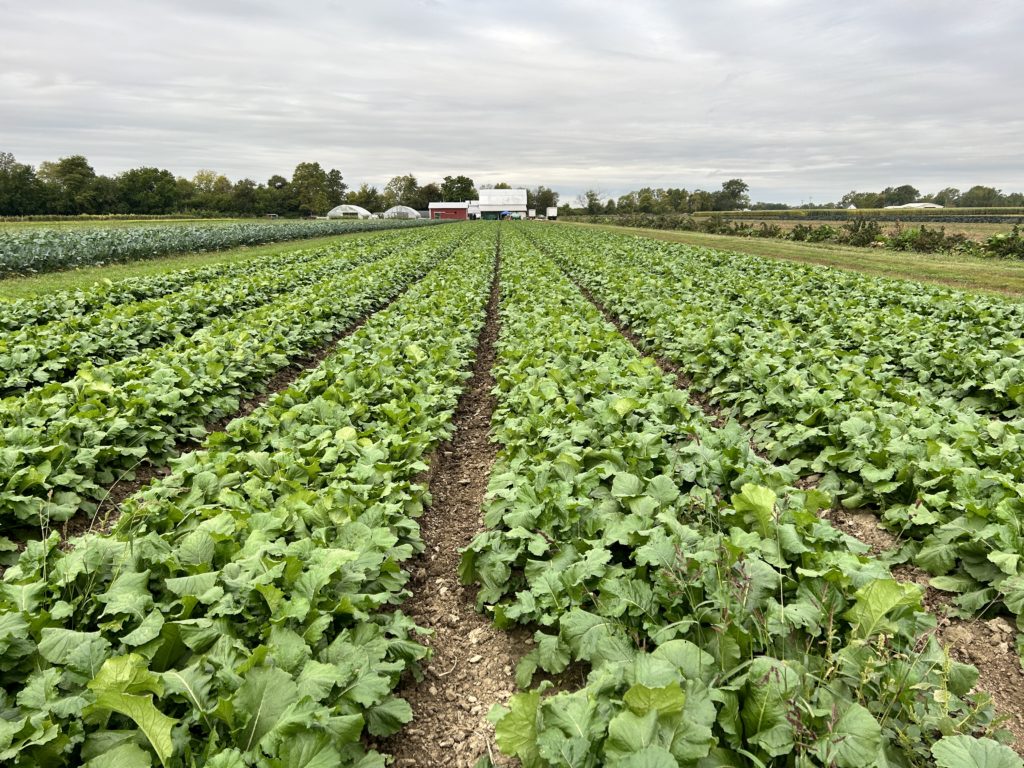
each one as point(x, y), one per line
point(970, 274)
point(23, 287)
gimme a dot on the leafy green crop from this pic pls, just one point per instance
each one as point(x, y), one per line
point(724, 622)
point(42, 249)
point(37, 354)
point(64, 442)
point(753, 335)
point(243, 613)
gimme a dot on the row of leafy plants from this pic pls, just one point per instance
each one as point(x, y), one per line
point(64, 443)
point(243, 612)
point(56, 306)
point(859, 231)
point(724, 622)
point(945, 477)
point(936, 342)
point(38, 249)
point(37, 354)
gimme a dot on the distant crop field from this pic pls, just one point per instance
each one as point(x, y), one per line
point(47, 248)
point(101, 223)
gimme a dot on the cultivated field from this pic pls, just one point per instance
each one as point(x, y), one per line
point(28, 250)
point(494, 494)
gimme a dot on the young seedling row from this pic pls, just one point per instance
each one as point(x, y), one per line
point(662, 587)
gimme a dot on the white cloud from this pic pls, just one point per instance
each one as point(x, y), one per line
point(802, 99)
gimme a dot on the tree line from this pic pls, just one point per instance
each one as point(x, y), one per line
point(733, 196)
point(70, 186)
point(976, 197)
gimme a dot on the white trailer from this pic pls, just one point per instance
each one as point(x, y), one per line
point(552, 214)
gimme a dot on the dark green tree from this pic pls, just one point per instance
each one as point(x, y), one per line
point(312, 190)
point(401, 190)
point(899, 195)
point(21, 192)
point(541, 199)
point(948, 197)
point(733, 196)
point(981, 197)
point(457, 189)
point(366, 197)
point(71, 185)
point(427, 194)
point(148, 190)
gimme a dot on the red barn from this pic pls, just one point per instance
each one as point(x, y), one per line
point(458, 211)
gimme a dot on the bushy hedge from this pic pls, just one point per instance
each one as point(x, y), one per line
point(860, 232)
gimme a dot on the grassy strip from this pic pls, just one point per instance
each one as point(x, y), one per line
point(25, 287)
point(982, 275)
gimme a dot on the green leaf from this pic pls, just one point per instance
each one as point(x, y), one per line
point(594, 638)
point(629, 734)
point(760, 502)
point(663, 489)
point(876, 600)
point(626, 485)
point(308, 750)
point(1007, 562)
point(770, 689)
point(122, 756)
point(261, 700)
point(854, 741)
point(968, 752)
point(118, 688)
point(649, 757)
point(388, 717)
point(668, 700)
point(516, 731)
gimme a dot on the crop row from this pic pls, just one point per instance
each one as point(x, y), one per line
point(242, 611)
point(930, 341)
point(40, 249)
point(64, 442)
point(944, 476)
point(37, 354)
point(55, 306)
point(724, 622)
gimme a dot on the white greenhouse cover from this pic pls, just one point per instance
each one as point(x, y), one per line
point(348, 212)
point(401, 212)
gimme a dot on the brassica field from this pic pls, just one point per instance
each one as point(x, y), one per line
point(47, 249)
point(230, 498)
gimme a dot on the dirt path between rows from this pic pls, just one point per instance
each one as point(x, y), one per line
point(473, 662)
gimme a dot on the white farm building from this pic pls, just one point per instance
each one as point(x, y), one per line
point(494, 203)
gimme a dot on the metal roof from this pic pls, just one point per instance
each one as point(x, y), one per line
point(503, 197)
point(448, 205)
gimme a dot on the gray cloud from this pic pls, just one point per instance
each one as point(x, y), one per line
point(804, 100)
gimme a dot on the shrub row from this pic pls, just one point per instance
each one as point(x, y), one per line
point(862, 232)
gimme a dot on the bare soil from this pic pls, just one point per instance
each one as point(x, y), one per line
point(472, 665)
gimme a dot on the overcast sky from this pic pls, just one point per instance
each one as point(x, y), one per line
point(803, 99)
